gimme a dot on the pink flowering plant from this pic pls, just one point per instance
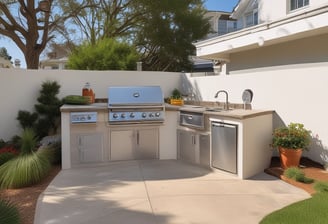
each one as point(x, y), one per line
point(294, 136)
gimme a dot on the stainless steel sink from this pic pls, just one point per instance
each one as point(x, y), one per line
point(192, 106)
point(213, 109)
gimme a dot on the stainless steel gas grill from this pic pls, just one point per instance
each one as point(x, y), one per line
point(135, 104)
point(134, 117)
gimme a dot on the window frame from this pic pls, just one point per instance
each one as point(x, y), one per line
point(252, 14)
point(305, 3)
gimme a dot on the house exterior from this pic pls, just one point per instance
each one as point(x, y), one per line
point(5, 63)
point(57, 58)
point(271, 33)
point(221, 23)
point(54, 63)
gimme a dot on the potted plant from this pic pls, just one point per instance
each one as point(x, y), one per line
point(291, 141)
point(176, 98)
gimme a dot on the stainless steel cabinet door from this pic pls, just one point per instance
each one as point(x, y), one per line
point(186, 146)
point(121, 144)
point(204, 150)
point(147, 143)
point(90, 147)
point(138, 143)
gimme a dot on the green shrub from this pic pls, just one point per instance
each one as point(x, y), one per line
point(106, 54)
point(321, 187)
point(6, 156)
point(7, 153)
point(46, 117)
point(24, 170)
point(57, 152)
point(28, 141)
point(8, 213)
point(28, 168)
point(298, 175)
point(2, 143)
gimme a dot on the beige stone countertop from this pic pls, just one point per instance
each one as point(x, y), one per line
point(232, 113)
point(238, 113)
point(88, 107)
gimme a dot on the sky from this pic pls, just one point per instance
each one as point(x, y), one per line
point(213, 5)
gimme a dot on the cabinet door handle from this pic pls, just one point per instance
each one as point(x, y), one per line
point(137, 137)
point(193, 140)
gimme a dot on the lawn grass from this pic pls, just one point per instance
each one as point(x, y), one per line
point(312, 210)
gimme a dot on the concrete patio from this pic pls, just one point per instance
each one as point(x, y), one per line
point(160, 192)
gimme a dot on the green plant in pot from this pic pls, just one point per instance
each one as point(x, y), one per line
point(176, 98)
point(291, 141)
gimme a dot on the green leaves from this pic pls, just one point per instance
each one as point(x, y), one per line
point(106, 54)
point(298, 175)
point(9, 213)
point(28, 141)
point(295, 136)
point(168, 30)
point(24, 170)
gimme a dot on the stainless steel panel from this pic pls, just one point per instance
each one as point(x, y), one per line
point(186, 146)
point(192, 119)
point(204, 150)
point(147, 144)
point(135, 95)
point(121, 145)
point(224, 146)
point(84, 117)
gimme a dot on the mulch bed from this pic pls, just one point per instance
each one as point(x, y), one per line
point(26, 198)
point(311, 169)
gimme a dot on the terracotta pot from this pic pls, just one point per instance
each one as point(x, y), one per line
point(290, 157)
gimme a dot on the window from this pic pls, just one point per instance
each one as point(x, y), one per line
point(251, 18)
point(296, 4)
point(226, 26)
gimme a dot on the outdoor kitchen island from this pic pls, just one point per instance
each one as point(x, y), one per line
point(90, 142)
point(235, 141)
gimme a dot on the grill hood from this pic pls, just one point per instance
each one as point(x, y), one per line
point(135, 96)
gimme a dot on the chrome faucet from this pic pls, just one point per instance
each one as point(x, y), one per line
point(227, 101)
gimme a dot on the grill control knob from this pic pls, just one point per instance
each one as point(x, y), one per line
point(132, 115)
point(157, 114)
point(122, 115)
point(144, 115)
point(115, 115)
point(151, 115)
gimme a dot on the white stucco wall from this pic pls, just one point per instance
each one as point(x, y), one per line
point(20, 88)
point(297, 93)
point(273, 10)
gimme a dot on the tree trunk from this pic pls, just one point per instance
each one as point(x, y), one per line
point(32, 58)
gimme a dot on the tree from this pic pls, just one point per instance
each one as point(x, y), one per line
point(29, 30)
point(103, 18)
point(4, 53)
point(163, 30)
point(45, 120)
point(31, 24)
point(168, 31)
point(106, 54)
